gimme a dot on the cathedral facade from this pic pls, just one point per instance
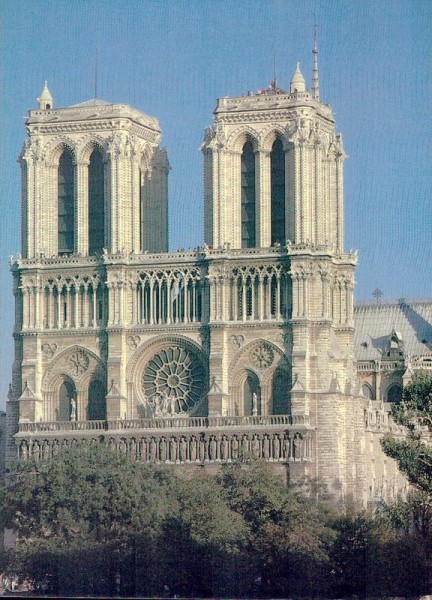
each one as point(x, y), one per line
point(242, 347)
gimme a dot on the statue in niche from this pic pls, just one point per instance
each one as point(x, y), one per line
point(193, 448)
point(276, 447)
point(163, 449)
point(173, 449)
point(213, 448)
point(266, 446)
point(133, 449)
point(254, 404)
point(172, 402)
point(55, 448)
point(224, 448)
point(234, 448)
point(245, 445)
point(73, 413)
point(45, 450)
point(36, 451)
point(183, 447)
point(286, 447)
point(255, 445)
point(152, 449)
point(142, 449)
point(298, 444)
point(24, 451)
point(202, 448)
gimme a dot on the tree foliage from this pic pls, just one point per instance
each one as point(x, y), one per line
point(91, 522)
point(414, 453)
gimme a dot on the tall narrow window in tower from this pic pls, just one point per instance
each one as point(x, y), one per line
point(66, 204)
point(96, 203)
point(277, 162)
point(248, 196)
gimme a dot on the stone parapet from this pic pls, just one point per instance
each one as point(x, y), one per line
point(199, 440)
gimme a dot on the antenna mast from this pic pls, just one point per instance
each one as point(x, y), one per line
point(315, 78)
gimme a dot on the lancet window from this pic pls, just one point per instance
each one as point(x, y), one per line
point(277, 167)
point(96, 203)
point(281, 386)
point(66, 204)
point(96, 401)
point(73, 304)
point(173, 297)
point(260, 294)
point(248, 197)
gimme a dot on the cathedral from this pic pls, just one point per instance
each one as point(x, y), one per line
point(245, 346)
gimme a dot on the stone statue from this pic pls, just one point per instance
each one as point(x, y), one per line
point(298, 443)
point(193, 448)
point(276, 447)
point(163, 449)
point(254, 404)
point(183, 448)
point(133, 449)
point(202, 449)
point(73, 414)
point(173, 449)
point(213, 448)
point(255, 445)
point(24, 451)
point(234, 448)
point(224, 448)
point(152, 449)
point(266, 447)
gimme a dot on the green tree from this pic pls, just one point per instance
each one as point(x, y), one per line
point(289, 533)
point(76, 517)
point(414, 457)
point(414, 453)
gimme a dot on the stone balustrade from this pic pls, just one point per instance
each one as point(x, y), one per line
point(162, 423)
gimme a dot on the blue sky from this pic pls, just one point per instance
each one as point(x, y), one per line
point(173, 58)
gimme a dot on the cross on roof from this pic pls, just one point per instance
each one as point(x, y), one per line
point(377, 293)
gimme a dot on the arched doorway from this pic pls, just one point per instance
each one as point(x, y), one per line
point(251, 395)
point(67, 402)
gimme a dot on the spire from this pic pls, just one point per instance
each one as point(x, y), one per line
point(315, 78)
point(298, 83)
point(45, 99)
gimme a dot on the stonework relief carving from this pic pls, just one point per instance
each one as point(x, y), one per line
point(133, 341)
point(78, 362)
point(48, 350)
point(262, 355)
point(236, 341)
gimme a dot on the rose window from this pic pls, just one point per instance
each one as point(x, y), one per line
point(262, 355)
point(175, 379)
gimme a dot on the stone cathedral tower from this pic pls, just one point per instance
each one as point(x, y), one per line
point(242, 346)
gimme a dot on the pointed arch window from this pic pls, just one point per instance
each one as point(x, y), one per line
point(67, 402)
point(96, 203)
point(66, 204)
point(277, 169)
point(96, 401)
point(248, 197)
point(281, 399)
point(251, 387)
